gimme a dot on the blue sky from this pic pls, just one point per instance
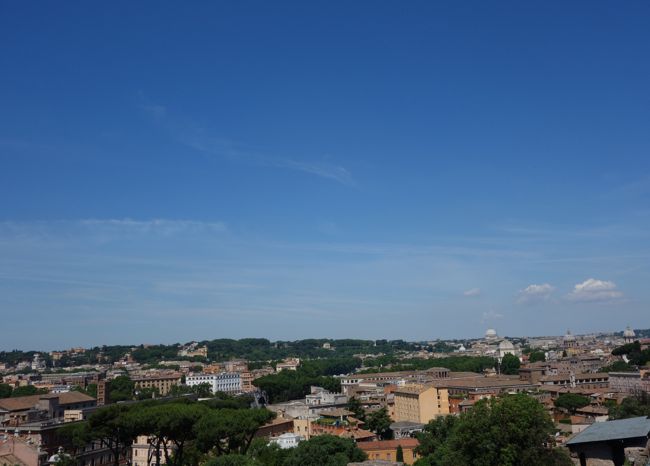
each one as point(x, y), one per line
point(171, 172)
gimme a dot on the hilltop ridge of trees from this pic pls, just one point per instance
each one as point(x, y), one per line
point(251, 349)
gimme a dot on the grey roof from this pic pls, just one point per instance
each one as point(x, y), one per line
point(613, 430)
point(406, 425)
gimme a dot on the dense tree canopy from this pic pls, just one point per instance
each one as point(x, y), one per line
point(379, 423)
point(27, 390)
point(170, 425)
point(354, 406)
point(509, 431)
point(252, 349)
point(121, 388)
point(618, 366)
point(510, 364)
point(223, 400)
point(146, 393)
point(571, 402)
point(233, 460)
point(260, 349)
point(5, 390)
point(230, 431)
point(325, 450)
point(634, 347)
point(454, 363)
point(90, 390)
point(268, 454)
point(331, 366)
point(537, 356)
point(434, 435)
point(75, 435)
point(12, 358)
point(291, 385)
point(633, 406)
point(634, 353)
point(183, 432)
point(442, 347)
point(155, 353)
point(112, 426)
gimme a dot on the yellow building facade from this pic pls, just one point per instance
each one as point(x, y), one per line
point(420, 403)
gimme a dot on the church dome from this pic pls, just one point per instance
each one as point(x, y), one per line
point(629, 333)
point(569, 336)
point(490, 334)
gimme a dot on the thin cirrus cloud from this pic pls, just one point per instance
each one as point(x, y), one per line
point(197, 138)
point(491, 315)
point(473, 292)
point(107, 228)
point(157, 225)
point(593, 290)
point(535, 293)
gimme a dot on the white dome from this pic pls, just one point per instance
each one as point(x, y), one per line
point(629, 333)
point(490, 333)
point(569, 336)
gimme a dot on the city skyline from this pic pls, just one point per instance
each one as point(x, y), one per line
point(290, 171)
point(473, 338)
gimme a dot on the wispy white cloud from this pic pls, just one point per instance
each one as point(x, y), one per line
point(138, 266)
point(535, 293)
point(324, 170)
point(472, 292)
point(637, 188)
point(158, 225)
point(593, 290)
point(234, 151)
point(397, 249)
point(491, 315)
point(62, 231)
point(206, 142)
point(328, 228)
point(156, 111)
point(568, 233)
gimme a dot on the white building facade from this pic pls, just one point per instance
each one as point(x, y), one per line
point(287, 440)
point(320, 396)
point(226, 382)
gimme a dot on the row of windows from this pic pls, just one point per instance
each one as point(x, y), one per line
point(204, 377)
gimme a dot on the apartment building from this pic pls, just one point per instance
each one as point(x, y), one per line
point(162, 382)
point(226, 382)
point(420, 403)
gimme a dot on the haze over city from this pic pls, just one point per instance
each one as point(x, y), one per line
point(369, 170)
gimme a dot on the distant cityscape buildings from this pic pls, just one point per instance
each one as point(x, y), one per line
point(547, 368)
